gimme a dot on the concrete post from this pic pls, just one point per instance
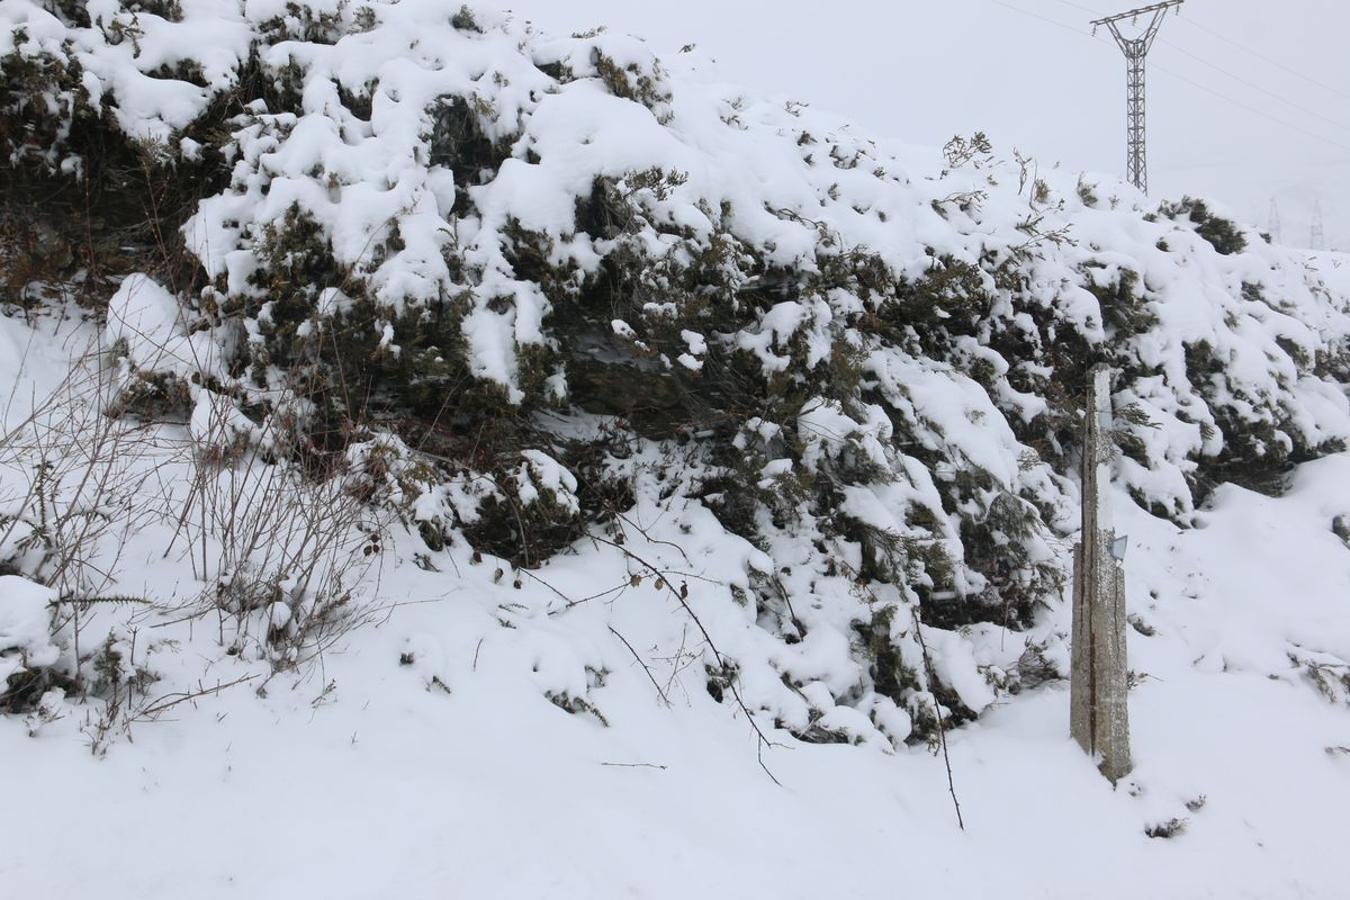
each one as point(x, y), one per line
point(1098, 717)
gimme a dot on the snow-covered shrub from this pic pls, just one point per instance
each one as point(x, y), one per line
point(501, 281)
point(1328, 673)
point(42, 86)
point(1224, 235)
point(28, 656)
point(532, 512)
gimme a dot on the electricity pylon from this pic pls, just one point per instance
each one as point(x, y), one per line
point(1135, 49)
point(1317, 238)
point(1274, 226)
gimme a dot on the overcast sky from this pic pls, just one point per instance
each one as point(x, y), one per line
point(1248, 100)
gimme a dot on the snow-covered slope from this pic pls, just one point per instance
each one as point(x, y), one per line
point(420, 757)
point(506, 465)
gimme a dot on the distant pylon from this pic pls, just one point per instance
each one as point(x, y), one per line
point(1317, 239)
point(1135, 49)
point(1274, 227)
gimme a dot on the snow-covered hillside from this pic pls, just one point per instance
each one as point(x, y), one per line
point(447, 459)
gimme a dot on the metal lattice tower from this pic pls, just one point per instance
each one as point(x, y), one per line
point(1317, 239)
point(1274, 227)
point(1135, 50)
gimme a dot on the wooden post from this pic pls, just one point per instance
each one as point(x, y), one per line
point(1098, 717)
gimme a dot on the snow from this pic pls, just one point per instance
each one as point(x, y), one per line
point(454, 774)
point(542, 475)
point(25, 625)
point(796, 185)
point(217, 422)
point(466, 729)
point(389, 783)
point(149, 322)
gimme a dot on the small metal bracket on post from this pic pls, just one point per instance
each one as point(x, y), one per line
point(1118, 548)
point(1098, 686)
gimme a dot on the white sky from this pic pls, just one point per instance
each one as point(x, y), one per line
point(1224, 121)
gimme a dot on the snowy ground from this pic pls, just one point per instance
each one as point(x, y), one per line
point(421, 759)
point(472, 731)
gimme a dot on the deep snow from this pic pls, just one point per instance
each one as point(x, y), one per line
point(453, 776)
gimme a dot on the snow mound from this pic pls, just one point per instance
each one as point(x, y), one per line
point(25, 626)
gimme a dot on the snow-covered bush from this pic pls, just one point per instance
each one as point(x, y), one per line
point(27, 653)
point(515, 275)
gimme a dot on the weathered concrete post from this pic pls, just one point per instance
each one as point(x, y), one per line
point(1098, 716)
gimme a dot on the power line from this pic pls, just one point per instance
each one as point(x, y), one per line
point(1252, 109)
point(1274, 62)
point(1079, 6)
point(1211, 91)
point(1036, 15)
point(1246, 163)
point(1253, 85)
point(1243, 47)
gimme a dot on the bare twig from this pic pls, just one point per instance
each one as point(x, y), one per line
point(763, 739)
point(937, 712)
point(645, 667)
point(152, 710)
